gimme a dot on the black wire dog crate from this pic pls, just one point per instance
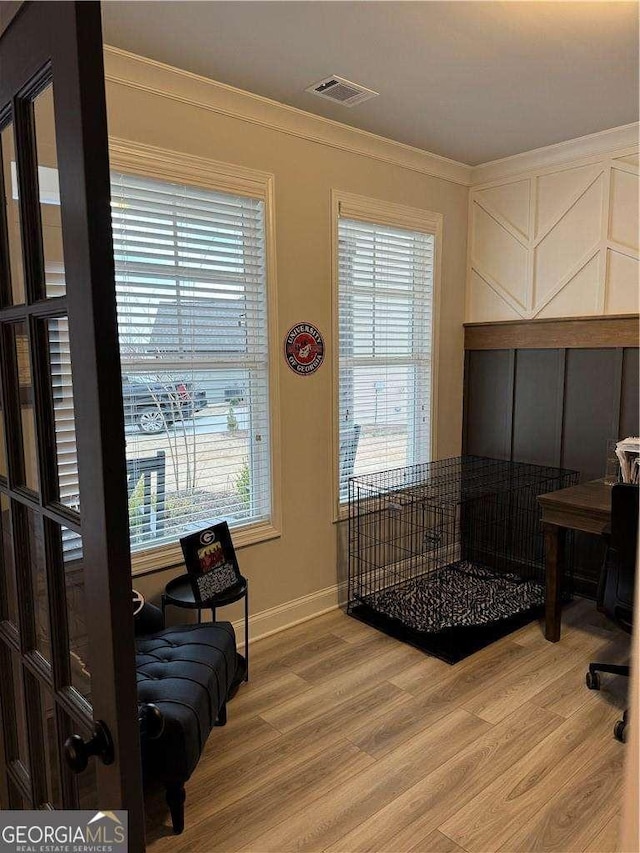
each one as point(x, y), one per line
point(449, 555)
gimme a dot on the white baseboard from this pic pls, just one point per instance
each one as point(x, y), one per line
point(283, 616)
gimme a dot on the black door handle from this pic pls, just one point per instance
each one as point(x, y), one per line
point(77, 750)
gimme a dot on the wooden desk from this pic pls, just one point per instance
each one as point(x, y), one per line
point(586, 507)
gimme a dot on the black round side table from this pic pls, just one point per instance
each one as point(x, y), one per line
point(179, 593)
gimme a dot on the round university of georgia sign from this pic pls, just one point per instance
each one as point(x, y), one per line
point(304, 348)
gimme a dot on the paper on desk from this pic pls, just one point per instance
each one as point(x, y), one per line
point(628, 452)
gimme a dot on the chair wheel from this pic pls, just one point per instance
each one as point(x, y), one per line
point(620, 731)
point(592, 680)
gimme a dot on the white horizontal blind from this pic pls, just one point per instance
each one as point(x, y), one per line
point(63, 410)
point(385, 304)
point(57, 332)
point(192, 320)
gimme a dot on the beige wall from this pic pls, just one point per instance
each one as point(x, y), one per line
point(303, 560)
point(556, 241)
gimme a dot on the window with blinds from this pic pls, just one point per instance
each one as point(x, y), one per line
point(385, 306)
point(192, 319)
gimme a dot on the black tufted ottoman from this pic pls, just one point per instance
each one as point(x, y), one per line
point(189, 672)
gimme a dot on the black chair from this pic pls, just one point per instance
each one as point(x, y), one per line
point(186, 675)
point(615, 590)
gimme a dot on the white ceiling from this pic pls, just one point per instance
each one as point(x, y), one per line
point(473, 81)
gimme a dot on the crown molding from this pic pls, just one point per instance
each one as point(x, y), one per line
point(148, 75)
point(138, 72)
point(614, 141)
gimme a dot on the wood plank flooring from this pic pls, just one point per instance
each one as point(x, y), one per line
point(346, 740)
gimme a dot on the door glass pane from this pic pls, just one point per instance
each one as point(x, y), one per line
point(23, 361)
point(76, 611)
point(49, 190)
point(13, 214)
point(20, 711)
point(10, 600)
point(54, 788)
point(63, 413)
point(39, 581)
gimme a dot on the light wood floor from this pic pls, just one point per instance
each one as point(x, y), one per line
point(347, 740)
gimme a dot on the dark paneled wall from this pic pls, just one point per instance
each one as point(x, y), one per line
point(591, 409)
point(553, 407)
point(487, 394)
point(537, 406)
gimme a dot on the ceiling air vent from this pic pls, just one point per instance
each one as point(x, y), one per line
point(341, 91)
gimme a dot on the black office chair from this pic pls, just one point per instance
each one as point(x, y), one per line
point(615, 590)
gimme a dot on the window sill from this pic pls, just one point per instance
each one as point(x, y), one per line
point(166, 557)
point(342, 513)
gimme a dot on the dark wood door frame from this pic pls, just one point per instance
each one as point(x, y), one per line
point(62, 43)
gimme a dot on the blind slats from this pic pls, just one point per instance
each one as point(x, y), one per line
point(385, 302)
point(192, 317)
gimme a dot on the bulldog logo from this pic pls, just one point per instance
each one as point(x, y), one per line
point(304, 349)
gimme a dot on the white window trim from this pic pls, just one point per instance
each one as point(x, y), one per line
point(149, 161)
point(350, 206)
